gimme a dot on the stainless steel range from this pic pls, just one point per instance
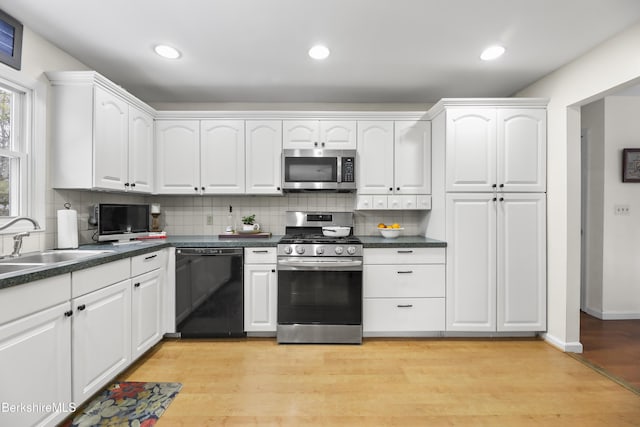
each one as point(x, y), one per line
point(319, 280)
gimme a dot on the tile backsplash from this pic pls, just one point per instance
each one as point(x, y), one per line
point(208, 215)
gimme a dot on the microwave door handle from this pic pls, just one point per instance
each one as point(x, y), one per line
point(339, 169)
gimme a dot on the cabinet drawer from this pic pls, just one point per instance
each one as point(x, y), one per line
point(403, 314)
point(404, 256)
point(407, 281)
point(259, 255)
point(94, 278)
point(146, 262)
point(22, 300)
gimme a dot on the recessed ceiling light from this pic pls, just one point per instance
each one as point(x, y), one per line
point(319, 52)
point(167, 51)
point(492, 52)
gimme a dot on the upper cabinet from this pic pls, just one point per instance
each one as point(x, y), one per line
point(102, 136)
point(328, 134)
point(218, 156)
point(394, 164)
point(495, 148)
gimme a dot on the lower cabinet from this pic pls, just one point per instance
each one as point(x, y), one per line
point(35, 355)
point(404, 290)
point(147, 302)
point(101, 337)
point(260, 290)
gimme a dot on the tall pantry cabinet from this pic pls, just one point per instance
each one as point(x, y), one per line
point(495, 213)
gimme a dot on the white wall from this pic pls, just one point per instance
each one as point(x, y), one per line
point(613, 64)
point(38, 55)
point(593, 130)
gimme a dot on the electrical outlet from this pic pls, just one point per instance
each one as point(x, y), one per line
point(209, 219)
point(621, 210)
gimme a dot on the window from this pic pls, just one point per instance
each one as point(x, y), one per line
point(13, 152)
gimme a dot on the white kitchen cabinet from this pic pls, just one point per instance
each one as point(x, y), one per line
point(35, 351)
point(101, 135)
point(495, 148)
point(141, 158)
point(222, 156)
point(403, 291)
point(496, 263)
point(147, 301)
point(260, 290)
point(178, 156)
point(101, 336)
point(263, 156)
point(394, 165)
point(327, 134)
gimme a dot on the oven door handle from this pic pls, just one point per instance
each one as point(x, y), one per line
point(347, 265)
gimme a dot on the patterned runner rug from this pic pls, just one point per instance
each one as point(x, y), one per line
point(127, 404)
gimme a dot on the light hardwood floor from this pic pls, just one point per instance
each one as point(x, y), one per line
point(413, 382)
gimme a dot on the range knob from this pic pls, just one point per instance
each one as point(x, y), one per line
point(339, 250)
point(288, 250)
point(351, 250)
point(300, 250)
point(319, 250)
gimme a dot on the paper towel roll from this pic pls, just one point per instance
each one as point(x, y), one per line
point(67, 229)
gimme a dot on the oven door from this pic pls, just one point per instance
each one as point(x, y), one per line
point(320, 291)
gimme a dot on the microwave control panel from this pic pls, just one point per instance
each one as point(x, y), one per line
point(348, 169)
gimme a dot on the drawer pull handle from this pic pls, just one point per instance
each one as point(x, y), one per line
point(405, 252)
point(150, 257)
point(405, 272)
point(405, 305)
point(260, 252)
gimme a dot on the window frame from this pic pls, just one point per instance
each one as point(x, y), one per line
point(32, 128)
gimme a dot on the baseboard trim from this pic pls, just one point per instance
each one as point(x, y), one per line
point(602, 315)
point(567, 347)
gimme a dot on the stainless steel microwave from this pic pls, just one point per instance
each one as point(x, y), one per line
point(317, 169)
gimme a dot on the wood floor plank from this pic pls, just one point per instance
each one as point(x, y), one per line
point(412, 382)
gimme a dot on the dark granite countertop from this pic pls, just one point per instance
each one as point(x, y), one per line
point(401, 242)
point(126, 251)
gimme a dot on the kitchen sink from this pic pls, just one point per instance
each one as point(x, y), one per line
point(52, 257)
point(12, 268)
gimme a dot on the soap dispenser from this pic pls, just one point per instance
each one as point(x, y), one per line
point(231, 224)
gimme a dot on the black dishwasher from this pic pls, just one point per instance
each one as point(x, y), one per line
point(209, 292)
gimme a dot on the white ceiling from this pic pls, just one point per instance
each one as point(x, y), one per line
point(381, 50)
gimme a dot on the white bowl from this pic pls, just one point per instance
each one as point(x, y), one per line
point(336, 231)
point(390, 233)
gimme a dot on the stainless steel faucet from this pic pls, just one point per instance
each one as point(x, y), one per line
point(36, 226)
point(17, 239)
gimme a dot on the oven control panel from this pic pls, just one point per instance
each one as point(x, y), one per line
point(319, 250)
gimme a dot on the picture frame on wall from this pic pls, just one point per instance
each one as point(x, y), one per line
point(10, 41)
point(631, 165)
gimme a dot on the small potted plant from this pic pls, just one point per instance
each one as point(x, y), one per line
point(249, 223)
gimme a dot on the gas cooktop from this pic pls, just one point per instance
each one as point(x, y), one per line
point(317, 238)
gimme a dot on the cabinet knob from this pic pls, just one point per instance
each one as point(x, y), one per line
point(195, 188)
point(323, 144)
point(397, 188)
point(136, 285)
point(202, 188)
point(133, 184)
point(493, 185)
point(81, 307)
point(390, 188)
point(126, 184)
point(68, 313)
point(315, 144)
point(278, 188)
point(501, 185)
point(273, 270)
point(502, 199)
point(495, 199)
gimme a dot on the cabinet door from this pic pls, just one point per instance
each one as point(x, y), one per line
point(260, 298)
point(521, 150)
point(338, 135)
point(471, 149)
point(222, 156)
point(140, 151)
point(178, 156)
point(471, 262)
point(375, 157)
point(263, 156)
point(146, 312)
point(412, 157)
point(521, 280)
point(35, 355)
point(101, 336)
point(110, 145)
point(300, 134)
